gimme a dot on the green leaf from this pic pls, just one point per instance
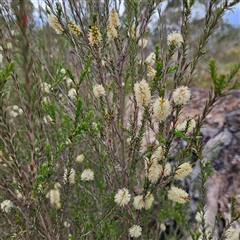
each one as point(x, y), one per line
point(172, 69)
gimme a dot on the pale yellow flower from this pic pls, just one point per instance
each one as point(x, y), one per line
point(87, 175)
point(99, 91)
point(122, 197)
point(53, 22)
point(154, 172)
point(114, 18)
point(151, 72)
point(181, 95)
point(161, 109)
point(150, 60)
point(142, 93)
point(54, 196)
point(111, 32)
point(142, 42)
point(183, 170)
point(138, 202)
point(178, 195)
point(72, 94)
point(174, 38)
point(94, 36)
point(135, 231)
point(71, 177)
point(74, 28)
point(148, 201)
point(6, 206)
point(80, 158)
point(159, 153)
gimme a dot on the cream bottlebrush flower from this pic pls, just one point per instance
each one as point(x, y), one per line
point(177, 195)
point(122, 197)
point(9, 45)
point(87, 175)
point(133, 32)
point(69, 82)
point(232, 233)
point(138, 202)
point(142, 42)
point(1, 58)
point(167, 169)
point(63, 71)
point(94, 36)
point(154, 172)
point(199, 217)
point(111, 32)
point(114, 18)
point(135, 231)
point(18, 194)
point(151, 72)
point(45, 87)
point(148, 201)
point(72, 94)
point(66, 224)
point(13, 114)
point(161, 109)
point(150, 60)
point(142, 93)
point(99, 91)
point(6, 206)
point(54, 196)
point(57, 185)
point(162, 227)
point(71, 177)
point(53, 22)
point(183, 170)
point(74, 28)
point(159, 153)
point(80, 158)
point(181, 95)
point(188, 125)
point(174, 38)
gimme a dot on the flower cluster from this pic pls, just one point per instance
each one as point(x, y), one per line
point(114, 18)
point(122, 197)
point(161, 109)
point(150, 60)
point(183, 170)
point(174, 38)
point(142, 43)
point(94, 36)
point(111, 32)
point(71, 177)
point(178, 195)
point(135, 231)
point(140, 202)
point(53, 22)
point(54, 197)
point(187, 126)
point(142, 93)
point(74, 28)
point(6, 206)
point(151, 72)
point(72, 94)
point(99, 91)
point(87, 175)
point(154, 170)
point(181, 95)
point(15, 111)
point(80, 158)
